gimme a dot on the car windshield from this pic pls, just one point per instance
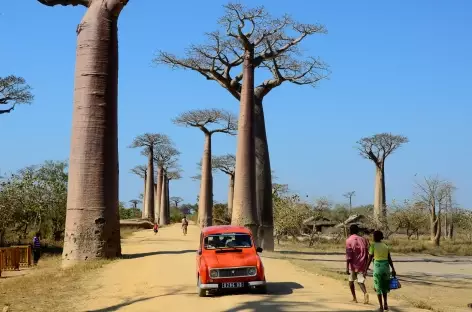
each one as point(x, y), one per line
point(228, 240)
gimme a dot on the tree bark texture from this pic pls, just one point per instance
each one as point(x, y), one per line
point(244, 202)
point(144, 197)
point(149, 212)
point(92, 227)
point(263, 180)
point(168, 200)
point(380, 202)
point(205, 202)
point(230, 194)
point(160, 178)
point(163, 211)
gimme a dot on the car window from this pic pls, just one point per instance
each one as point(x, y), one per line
point(228, 240)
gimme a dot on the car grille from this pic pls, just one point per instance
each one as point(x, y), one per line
point(235, 272)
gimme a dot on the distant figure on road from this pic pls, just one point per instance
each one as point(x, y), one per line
point(155, 228)
point(356, 260)
point(36, 248)
point(184, 225)
point(380, 253)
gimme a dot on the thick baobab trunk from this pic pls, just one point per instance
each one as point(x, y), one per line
point(244, 202)
point(380, 202)
point(205, 202)
point(263, 180)
point(167, 200)
point(163, 211)
point(160, 177)
point(92, 227)
point(149, 200)
point(230, 194)
point(156, 200)
point(144, 197)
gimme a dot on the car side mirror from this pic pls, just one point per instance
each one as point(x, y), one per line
point(199, 252)
point(259, 249)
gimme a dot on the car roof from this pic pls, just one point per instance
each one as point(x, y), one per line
point(221, 229)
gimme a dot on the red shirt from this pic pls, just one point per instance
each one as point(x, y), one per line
point(357, 251)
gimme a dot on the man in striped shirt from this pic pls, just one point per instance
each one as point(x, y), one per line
point(36, 248)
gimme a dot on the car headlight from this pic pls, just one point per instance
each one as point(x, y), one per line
point(214, 274)
point(252, 271)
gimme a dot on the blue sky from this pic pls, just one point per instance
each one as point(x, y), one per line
point(397, 66)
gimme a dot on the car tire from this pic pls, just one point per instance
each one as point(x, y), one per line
point(201, 292)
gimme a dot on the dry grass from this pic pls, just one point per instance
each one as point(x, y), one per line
point(399, 244)
point(46, 287)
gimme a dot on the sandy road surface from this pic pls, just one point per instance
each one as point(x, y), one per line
point(159, 275)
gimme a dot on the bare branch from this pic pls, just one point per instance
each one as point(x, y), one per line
point(150, 140)
point(140, 171)
point(176, 200)
point(166, 155)
point(225, 163)
point(275, 42)
point(379, 146)
point(202, 118)
point(13, 91)
point(65, 2)
point(174, 175)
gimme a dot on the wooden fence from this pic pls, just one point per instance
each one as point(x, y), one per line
point(12, 258)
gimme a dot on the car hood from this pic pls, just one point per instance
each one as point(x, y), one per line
point(230, 259)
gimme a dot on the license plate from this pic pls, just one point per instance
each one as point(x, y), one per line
point(232, 285)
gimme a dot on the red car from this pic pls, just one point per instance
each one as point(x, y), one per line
point(227, 259)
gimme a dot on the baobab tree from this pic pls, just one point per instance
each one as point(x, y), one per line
point(140, 171)
point(149, 141)
point(349, 196)
point(226, 164)
point(92, 224)
point(209, 121)
point(171, 175)
point(176, 201)
point(252, 39)
point(13, 91)
point(377, 148)
point(165, 157)
point(134, 203)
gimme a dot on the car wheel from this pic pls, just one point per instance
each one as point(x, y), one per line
point(201, 292)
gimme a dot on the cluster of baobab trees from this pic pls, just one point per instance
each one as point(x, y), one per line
point(162, 155)
point(250, 41)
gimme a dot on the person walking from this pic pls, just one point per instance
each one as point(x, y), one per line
point(356, 259)
point(155, 228)
point(184, 225)
point(36, 248)
point(379, 252)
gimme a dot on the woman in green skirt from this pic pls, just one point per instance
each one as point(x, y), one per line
point(380, 253)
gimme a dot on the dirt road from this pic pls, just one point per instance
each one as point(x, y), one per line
point(158, 274)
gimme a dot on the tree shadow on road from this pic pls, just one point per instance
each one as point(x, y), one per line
point(154, 253)
point(128, 302)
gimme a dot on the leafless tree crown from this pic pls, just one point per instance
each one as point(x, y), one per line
point(150, 140)
point(140, 171)
point(275, 42)
point(225, 163)
point(13, 91)
point(176, 200)
point(174, 174)
point(220, 120)
point(379, 146)
point(166, 155)
point(433, 192)
point(349, 195)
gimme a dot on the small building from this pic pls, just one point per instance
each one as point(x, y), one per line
point(320, 224)
point(362, 222)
